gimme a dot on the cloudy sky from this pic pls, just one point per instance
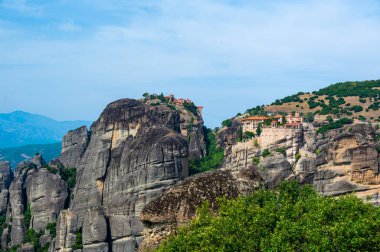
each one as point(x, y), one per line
point(67, 59)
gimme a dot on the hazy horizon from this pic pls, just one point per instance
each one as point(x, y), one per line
point(67, 60)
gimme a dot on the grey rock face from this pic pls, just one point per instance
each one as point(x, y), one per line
point(74, 145)
point(347, 162)
point(66, 227)
point(26, 248)
point(46, 194)
point(94, 227)
point(45, 239)
point(17, 203)
point(4, 196)
point(100, 247)
point(305, 169)
point(133, 154)
point(196, 150)
point(24, 165)
point(38, 160)
point(6, 175)
point(275, 170)
point(4, 239)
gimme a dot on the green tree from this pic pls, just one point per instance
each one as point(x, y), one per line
point(291, 218)
point(259, 129)
point(310, 117)
point(227, 123)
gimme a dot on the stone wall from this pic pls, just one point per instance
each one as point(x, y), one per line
point(271, 135)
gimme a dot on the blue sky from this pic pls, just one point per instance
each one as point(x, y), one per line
point(67, 59)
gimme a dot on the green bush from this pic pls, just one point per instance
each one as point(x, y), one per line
point(362, 118)
point(281, 150)
point(249, 135)
point(52, 229)
point(227, 123)
point(298, 156)
point(256, 143)
point(255, 160)
point(78, 240)
point(191, 107)
point(265, 153)
point(27, 216)
point(293, 218)
point(33, 237)
point(356, 108)
point(69, 175)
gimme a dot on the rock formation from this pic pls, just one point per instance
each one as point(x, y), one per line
point(132, 154)
point(132, 186)
point(36, 197)
point(74, 144)
point(46, 194)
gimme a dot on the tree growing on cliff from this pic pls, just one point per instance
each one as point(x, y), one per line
point(293, 218)
point(259, 129)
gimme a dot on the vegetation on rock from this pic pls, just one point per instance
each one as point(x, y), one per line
point(78, 240)
point(293, 218)
point(214, 155)
point(335, 125)
point(69, 175)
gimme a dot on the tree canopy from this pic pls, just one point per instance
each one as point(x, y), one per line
point(293, 218)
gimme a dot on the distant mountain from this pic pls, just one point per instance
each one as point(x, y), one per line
point(20, 128)
point(17, 154)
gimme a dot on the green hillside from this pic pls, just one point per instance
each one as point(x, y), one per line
point(353, 99)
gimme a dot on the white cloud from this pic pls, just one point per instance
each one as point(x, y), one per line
point(69, 26)
point(22, 6)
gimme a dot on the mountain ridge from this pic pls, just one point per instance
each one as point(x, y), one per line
point(19, 128)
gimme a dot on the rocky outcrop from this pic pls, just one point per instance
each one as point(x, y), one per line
point(4, 196)
point(305, 169)
point(227, 136)
point(347, 161)
point(46, 195)
point(36, 197)
point(6, 175)
point(74, 145)
point(274, 169)
point(38, 160)
point(18, 207)
point(95, 230)
point(66, 232)
point(196, 147)
point(179, 204)
point(135, 152)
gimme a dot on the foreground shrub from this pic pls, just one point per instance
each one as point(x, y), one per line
point(294, 218)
